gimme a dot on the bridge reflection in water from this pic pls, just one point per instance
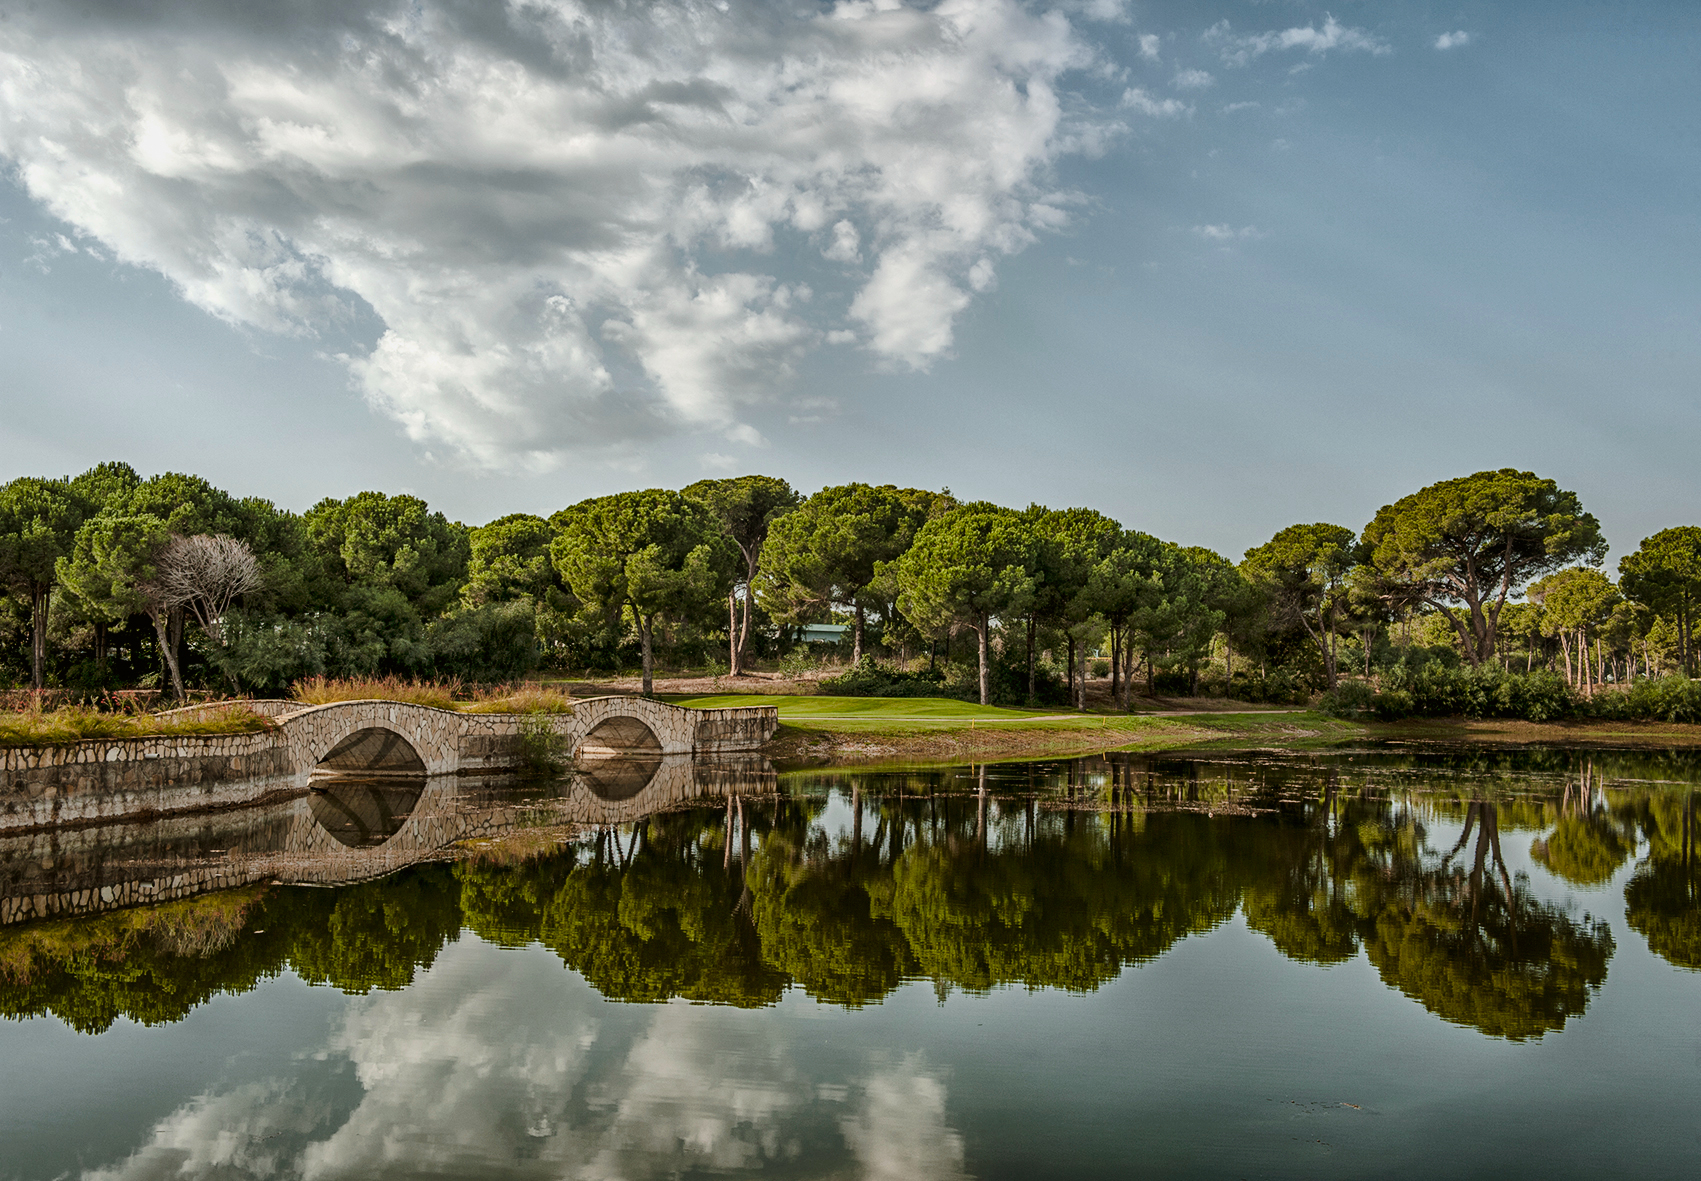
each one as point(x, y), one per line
point(370, 810)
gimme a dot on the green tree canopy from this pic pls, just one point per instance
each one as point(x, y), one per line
point(1664, 575)
point(1304, 569)
point(38, 526)
point(967, 566)
point(1576, 603)
point(826, 552)
point(1464, 546)
point(747, 507)
point(652, 553)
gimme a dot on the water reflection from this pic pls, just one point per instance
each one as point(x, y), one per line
point(725, 889)
point(364, 813)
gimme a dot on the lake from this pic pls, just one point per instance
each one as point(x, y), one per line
point(1380, 962)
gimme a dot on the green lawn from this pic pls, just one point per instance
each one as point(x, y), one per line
point(898, 713)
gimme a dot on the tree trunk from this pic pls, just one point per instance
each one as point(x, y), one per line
point(100, 648)
point(744, 619)
point(162, 630)
point(1228, 663)
point(985, 677)
point(856, 642)
point(646, 627)
point(1151, 675)
point(41, 598)
point(179, 643)
point(734, 665)
point(1115, 666)
point(1071, 672)
point(1030, 659)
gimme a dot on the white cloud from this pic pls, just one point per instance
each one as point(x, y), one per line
point(1193, 79)
point(566, 215)
point(1226, 233)
point(899, 1132)
point(1453, 40)
point(1238, 50)
point(1135, 98)
point(1149, 43)
point(1231, 108)
point(498, 1058)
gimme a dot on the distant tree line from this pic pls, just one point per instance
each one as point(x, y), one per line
point(113, 581)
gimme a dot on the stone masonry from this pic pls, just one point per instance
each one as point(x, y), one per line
point(103, 780)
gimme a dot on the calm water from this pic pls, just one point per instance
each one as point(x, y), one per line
point(1371, 964)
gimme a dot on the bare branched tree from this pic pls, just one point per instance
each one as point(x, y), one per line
point(207, 574)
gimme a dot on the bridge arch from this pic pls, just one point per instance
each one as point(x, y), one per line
point(618, 725)
point(366, 737)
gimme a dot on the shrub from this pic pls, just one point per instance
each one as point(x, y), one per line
point(543, 750)
point(869, 679)
point(1100, 668)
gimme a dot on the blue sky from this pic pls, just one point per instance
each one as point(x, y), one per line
point(1212, 279)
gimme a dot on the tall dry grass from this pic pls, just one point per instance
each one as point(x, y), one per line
point(452, 693)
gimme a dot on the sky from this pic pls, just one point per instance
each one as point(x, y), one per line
point(1212, 268)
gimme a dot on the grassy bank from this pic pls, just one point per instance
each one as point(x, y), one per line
point(816, 730)
point(75, 723)
point(838, 730)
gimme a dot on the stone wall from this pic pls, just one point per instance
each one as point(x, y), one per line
point(90, 782)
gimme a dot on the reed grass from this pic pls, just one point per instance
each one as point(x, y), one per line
point(528, 698)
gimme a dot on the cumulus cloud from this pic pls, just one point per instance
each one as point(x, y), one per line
point(1453, 40)
point(1193, 79)
point(573, 219)
point(899, 1132)
point(1149, 43)
point(1240, 49)
point(501, 1058)
point(1136, 99)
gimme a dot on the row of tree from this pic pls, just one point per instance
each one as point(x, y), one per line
point(117, 580)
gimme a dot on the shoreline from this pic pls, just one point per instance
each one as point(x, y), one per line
point(829, 742)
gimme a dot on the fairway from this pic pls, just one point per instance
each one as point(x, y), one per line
point(891, 713)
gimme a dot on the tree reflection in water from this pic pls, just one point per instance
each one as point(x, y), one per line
point(1662, 903)
point(1051, 878)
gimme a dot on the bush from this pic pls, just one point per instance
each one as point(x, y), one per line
point(1100, 668)
point(868, 679)
point(543, 749)
point(1431, 688)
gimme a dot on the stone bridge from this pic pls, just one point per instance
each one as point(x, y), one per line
point(102, 780)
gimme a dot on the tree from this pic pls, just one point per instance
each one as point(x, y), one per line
point(38, 525)
point(654, 552)
point(206, 574)
point(968, 566)
point(1305, 568)
point(747, 507)
point(509, 559)
point(1576, 603)
point(1464, 546)
point(1069, 544)
point(1664, 575)
point(113, 571)
point(825, 553)
point(1126, 582)
point(376, 541)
